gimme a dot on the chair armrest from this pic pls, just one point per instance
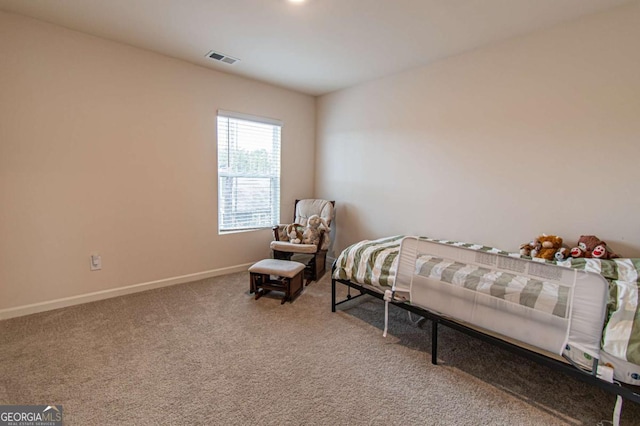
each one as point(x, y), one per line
point(279, 232)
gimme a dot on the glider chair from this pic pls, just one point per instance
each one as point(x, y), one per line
point(312, 255)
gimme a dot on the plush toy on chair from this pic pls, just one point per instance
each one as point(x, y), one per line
point(294, 232)
point(312, 232)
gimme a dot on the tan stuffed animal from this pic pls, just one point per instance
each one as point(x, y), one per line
point(312, 232)
point(549, 245)
point(527, 249)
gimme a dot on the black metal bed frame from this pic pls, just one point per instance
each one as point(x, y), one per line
point(627, 392)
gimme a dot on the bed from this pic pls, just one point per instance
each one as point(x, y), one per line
point(578, 315)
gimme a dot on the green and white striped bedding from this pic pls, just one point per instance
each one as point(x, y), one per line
point(375, 263)
point(621, 333)
point(370, 262)
point(536, 294)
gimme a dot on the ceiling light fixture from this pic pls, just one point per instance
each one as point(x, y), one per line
point(296, 1)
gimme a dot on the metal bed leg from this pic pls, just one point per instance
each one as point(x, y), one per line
point(434, 342)
point(333, 295)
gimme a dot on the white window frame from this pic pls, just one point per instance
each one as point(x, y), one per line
point(231, 208)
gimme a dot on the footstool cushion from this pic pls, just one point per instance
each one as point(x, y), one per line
point(281, 268)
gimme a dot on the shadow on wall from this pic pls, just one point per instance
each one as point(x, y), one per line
point(332, 234)
point(349, 227)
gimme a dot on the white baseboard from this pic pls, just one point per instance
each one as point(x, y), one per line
point(34, 308)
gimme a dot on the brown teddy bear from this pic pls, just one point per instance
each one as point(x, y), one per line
point(549, 245)
point(590, 246)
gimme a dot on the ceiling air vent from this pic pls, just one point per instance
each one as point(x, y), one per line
point(222, 58)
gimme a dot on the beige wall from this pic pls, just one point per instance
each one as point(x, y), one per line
point(112, 149)
point(495, 146)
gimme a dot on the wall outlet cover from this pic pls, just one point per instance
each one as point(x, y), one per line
point(96, 262)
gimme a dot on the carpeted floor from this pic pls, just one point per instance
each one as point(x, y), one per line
point(207, 353)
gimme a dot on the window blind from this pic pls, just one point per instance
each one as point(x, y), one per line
point(248, 172)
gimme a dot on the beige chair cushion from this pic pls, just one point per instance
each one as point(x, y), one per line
point(306, 208)
point(281, 268)
point(323, 208)
point(293, 248)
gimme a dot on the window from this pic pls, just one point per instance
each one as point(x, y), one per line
point(248, 172)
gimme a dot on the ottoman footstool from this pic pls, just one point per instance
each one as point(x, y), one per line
point(288, 278)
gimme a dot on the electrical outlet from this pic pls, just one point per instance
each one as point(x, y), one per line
point(96, 262)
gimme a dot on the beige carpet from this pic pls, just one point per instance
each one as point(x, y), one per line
point(207, 353)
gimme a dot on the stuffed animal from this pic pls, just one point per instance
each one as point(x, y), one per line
point(527, 248)
point(591, 246)
point(563, 253)
point(312, 232)
point(294, 232)
point(581, 250)
point(586, 244)
point(601, 251)
point(549, 245)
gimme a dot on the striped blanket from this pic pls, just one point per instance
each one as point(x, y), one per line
point(370, 262)
point(375, 263)
point(621, 333)
point(539, 295)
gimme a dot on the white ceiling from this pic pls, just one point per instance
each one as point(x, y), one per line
point(315, 47)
